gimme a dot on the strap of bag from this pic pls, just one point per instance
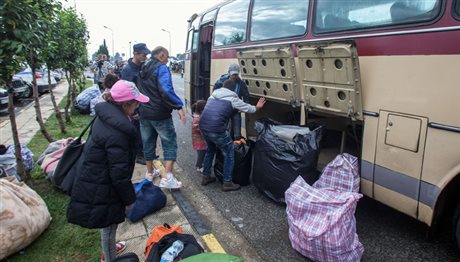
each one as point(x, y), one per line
point(86, 128)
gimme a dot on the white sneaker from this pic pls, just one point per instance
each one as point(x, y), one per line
point(151, 176)
point(170, 183)
point(198, 169)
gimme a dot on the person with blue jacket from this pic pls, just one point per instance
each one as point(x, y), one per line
point(220, 107)
point(241, 90)
point(129, 73)
point(155, 81)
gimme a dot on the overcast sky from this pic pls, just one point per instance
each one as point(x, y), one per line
point(138, 21)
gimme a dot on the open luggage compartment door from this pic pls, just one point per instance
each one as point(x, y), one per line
point(270, 72)
point(331, 79)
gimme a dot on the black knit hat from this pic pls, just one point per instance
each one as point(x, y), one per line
point(230, 84)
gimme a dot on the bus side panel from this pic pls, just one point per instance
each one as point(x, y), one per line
point(368, 154)
point(187, 86)
point(442, 164)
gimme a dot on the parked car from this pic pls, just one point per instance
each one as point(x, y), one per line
point(3, 101)
point(21, 88)
point(41, 76)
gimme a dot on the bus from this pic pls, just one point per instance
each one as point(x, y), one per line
point(381, 76)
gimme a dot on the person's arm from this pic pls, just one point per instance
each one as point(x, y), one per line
point(119, 169)
point(166, 88)
point(240, 105)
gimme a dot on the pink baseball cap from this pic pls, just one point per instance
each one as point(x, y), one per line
point(123, 91)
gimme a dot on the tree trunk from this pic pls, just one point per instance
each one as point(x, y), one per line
point(57, 110)
point(74, 87)
point(37, 104)
point(68, 100)
point(14, 129)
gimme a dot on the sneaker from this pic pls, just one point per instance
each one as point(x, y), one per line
point(140, 159)
point(151, 176)
point(230, 186)
point(171, 183)
point(200, 169)
point(207, 180)
point(119, 247)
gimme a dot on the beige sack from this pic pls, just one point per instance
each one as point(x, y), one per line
point(23, 216)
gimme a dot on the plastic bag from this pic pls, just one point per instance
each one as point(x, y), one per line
point(278, 163)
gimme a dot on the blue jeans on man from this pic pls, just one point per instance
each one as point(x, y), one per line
point(150, 130)
point(224, 142)
point(236, 126)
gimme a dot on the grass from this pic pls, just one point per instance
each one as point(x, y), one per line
point(61, 241)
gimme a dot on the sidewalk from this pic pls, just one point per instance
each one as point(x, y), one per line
point(135, 234)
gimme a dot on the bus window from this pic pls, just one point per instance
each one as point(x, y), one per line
point(195, 40)
point(189, 42)
point(456, 9)
point(231, 23)
point(332, 16)
point(289, 19)
point(209, 17)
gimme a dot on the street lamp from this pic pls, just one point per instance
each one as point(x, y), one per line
point(113, 52)
point(169, 33)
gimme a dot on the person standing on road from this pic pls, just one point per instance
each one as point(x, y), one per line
point(101, 69)
point(156, 120)
point(218, 111)
point(130, 73)
point(102, 189)
point(198, 142)
point(241, 90)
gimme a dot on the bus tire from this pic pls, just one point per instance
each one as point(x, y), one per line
point(456, 226)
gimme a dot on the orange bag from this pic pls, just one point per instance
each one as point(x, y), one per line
point(157, 233)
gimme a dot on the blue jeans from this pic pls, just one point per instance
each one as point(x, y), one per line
point(224, 142)
point(108, 235)
point(150, 130)
point(235, 126)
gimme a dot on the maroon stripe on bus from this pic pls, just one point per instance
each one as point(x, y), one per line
point(431, 43)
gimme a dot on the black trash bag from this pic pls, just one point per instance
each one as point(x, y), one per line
point(281, 154)
point(242, 166)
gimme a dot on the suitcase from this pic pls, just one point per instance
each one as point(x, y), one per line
point(242, 166)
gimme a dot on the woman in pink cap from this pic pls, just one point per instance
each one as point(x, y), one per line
point(102, 189)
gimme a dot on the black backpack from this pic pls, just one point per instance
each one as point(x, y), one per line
point(191, 247)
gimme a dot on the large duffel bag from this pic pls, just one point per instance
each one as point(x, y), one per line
point(242, 166)
point(24, 216)
point(281, 154)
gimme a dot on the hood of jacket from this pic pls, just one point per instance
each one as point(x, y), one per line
point(224, 93)
point(113, 116)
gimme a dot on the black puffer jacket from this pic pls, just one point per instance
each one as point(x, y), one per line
point(102, 186)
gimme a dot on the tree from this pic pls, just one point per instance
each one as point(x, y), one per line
point(73, 39)
point(16, 16)
point(103, 50)
point(53, 60)
point(45, 11)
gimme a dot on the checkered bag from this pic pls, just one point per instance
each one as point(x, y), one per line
point(321, 222)
point(342, 174)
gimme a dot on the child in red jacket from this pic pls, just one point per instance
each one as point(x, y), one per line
point(198, 142)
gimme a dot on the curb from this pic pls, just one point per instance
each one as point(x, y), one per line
point(194, 218)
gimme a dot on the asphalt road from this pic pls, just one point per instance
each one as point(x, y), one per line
point(386, 234)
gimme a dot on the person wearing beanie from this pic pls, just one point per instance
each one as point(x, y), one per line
point(102, 189)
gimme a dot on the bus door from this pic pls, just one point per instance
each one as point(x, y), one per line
point(201, 64)
point(398, 160)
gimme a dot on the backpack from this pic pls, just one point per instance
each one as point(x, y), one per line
point(191, 247)
point(157, 233)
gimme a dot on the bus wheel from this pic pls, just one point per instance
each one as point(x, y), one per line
point(456, 226)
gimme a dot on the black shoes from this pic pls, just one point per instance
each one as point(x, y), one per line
point(230, 186)
point(140, 159)
point(207, 180)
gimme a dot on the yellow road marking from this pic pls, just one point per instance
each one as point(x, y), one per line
point(212, 244)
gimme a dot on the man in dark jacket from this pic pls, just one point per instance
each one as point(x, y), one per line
point(156, 120)
point(220, 107)
point(130, 73)
point(241, 90)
